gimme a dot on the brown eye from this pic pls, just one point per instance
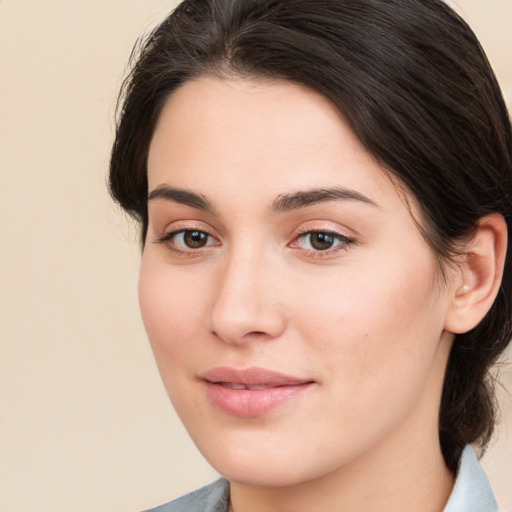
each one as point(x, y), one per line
point(188, 240)
point(321, 241)
point(318, 241)
point(195, 239)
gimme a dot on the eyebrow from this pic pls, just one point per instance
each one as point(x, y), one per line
point(302, 199)
point(283, 203)
point(181, 196)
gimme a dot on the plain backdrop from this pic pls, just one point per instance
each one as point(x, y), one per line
point(84, 422)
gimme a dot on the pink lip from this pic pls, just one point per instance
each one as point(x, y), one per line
point(251, 392)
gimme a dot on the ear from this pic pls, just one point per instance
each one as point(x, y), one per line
point(479, 276)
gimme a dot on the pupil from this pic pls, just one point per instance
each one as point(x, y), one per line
point(195, 239)
point(322, 241)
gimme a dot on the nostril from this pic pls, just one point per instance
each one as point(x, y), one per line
point(242, 338)
point(257, 336)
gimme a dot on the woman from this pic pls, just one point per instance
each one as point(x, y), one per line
point(324, 194)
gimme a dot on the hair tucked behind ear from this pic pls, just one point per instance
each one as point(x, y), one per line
point(410, 78)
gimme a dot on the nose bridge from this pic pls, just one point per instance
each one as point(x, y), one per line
point(245, 305)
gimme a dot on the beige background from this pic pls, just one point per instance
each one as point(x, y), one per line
point(84, 422)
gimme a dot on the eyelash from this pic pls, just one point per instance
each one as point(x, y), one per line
point(344, 242)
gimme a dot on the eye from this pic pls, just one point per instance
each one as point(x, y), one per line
point(319, 241)
point(192, 239)
point(188, 239)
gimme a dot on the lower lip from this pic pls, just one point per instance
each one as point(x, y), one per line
point(246, 403)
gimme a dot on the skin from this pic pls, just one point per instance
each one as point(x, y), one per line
point(365, 320)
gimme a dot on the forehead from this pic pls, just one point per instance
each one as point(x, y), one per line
point(238, 132)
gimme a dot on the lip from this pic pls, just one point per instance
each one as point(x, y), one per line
point(251, 392)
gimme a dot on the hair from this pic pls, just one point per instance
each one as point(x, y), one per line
point(413, 83)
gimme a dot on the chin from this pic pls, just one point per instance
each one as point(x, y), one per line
point(258, 474)
point(261, 460)
point(252, 460)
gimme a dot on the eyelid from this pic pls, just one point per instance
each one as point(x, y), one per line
point(186, 225)
point(324, 227)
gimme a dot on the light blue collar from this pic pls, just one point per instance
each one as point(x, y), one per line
point(472, 491)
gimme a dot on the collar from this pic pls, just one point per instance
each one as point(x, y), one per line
point(472, 491)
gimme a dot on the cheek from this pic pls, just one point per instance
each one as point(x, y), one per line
point(172, 311)
point(376, 331)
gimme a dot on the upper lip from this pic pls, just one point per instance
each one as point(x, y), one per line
point(251, 377)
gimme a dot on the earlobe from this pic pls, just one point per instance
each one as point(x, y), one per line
point(479, 276)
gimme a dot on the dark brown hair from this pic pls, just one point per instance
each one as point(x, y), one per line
point(413, 82)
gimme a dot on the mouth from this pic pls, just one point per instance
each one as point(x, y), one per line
point(251, 392)
point(232, 385)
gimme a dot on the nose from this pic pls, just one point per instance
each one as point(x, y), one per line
point(246, 305)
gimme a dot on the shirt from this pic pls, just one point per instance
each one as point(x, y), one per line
point(471, 492)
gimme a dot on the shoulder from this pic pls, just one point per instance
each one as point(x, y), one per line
point(472, 491)
point(212, 498)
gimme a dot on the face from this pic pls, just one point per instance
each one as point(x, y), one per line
point(291, 302)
